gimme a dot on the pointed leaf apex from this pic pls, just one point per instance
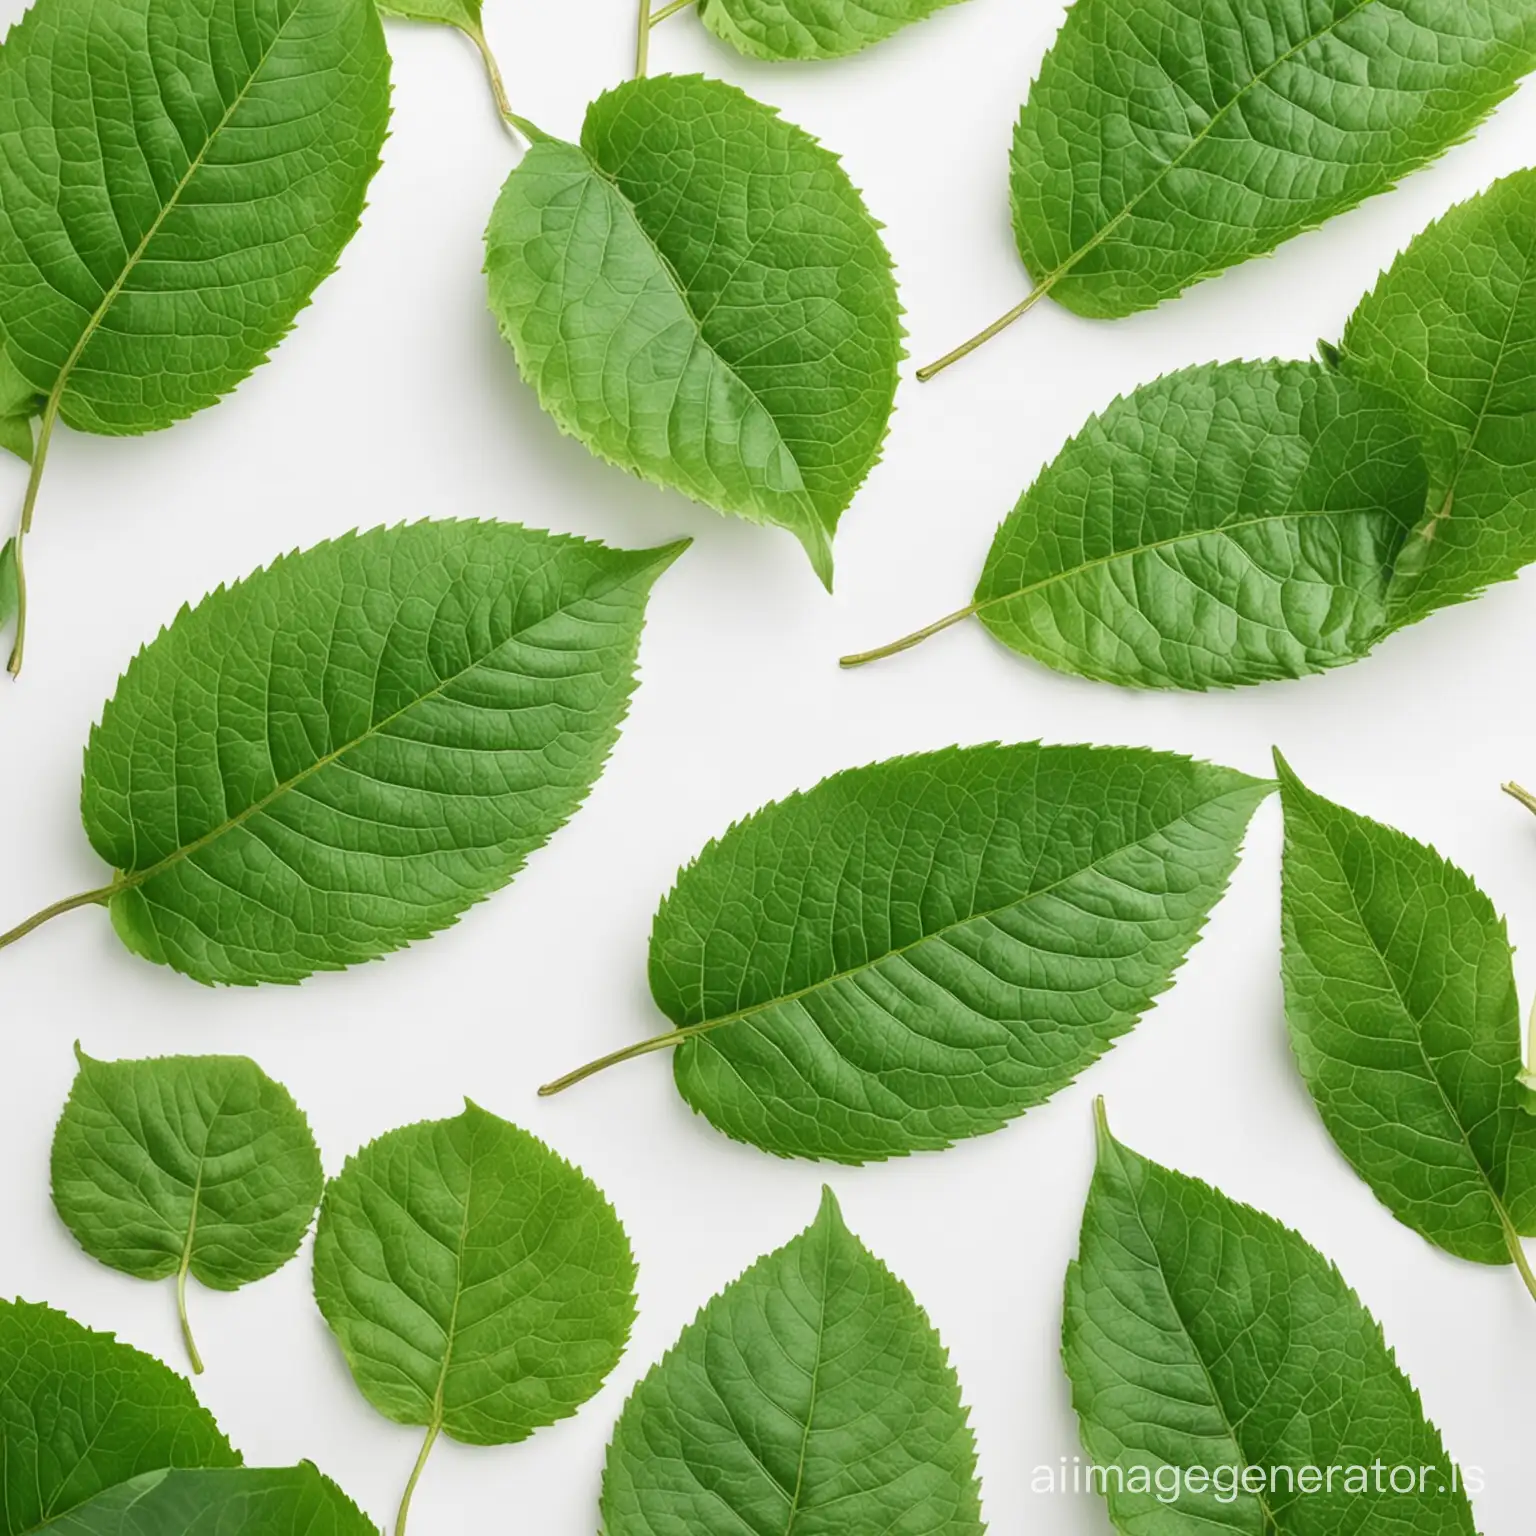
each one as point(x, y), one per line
point(1102, 1134)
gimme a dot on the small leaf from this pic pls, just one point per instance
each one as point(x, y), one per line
point(919, 951)
point(478, 1284)
point(81, 1413)
point(813, 1395)
point(290, 1501)
point(1451, 328)
point(7, 582)
point(699, 295)
point(345, 751)
point(811, 29)
point(1400, 996)
point(182, 1165)
point(1206, 1343)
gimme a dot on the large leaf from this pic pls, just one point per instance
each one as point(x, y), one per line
point(698, 294)
point(1452, 329)
point(919, 951)
point(345, 751)
point(810, 29)
point(811, 1395)
point(183, 1165)
point(1400, 995)
point(478, 1284)
point(288, 1501)
point(80, 1413)
point(1226, 1379)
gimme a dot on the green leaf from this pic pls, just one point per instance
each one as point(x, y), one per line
point(811, 29)
point(1207, 1344)
point(812, 1395)
point(1451, 328)
point(1400, 996)
point(463, 14)
point(699, 295)
point(80, 1413)
point(919, 951)
point(8, 584)
point(182, 1165)
point(290, 1501)
point(477, 1283)
point(348, 749)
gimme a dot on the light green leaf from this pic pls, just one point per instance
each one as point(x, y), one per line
point(699, 295)
point(290, 1501)
point(919, 951)
point(463, 14)
point(477, 1283)
point(183, 1165)
point(810, 29)
point(811, 1395)
point(8, 585)
point(1451, 328)
point(1400, 996)
point(345, 751)
point(1215, 1357)
point(80, 1413)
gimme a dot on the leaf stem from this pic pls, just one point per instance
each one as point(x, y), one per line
point(476, 35)
point(86, 899)
point(1524, 796)
point(28, 506)
point(983, 337)
point(433, 1430)
point(631, 1053)
point(648, 20)
point(1517, 1253)
point(906, 643)
point(181, 1311)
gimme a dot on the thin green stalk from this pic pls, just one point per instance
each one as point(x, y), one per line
point(28, 506)
point(648, 20)
point(181, 1311)
point(434, 1429)
point(1517, 1253)
point(631, 1053)
point(906, 643)
point(58, 909)
point(476, 35)
point(983, 337)
point(1524, 796)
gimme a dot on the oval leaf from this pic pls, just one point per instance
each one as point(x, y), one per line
point(810, 29)
point(1226, 525)
point(699, 295)
point(1400, 997)
point(81, 1413)
point(812, 1395)
point(181, 1165)
point(478, 1284)
point(1203, 1336)
point(1451, 328)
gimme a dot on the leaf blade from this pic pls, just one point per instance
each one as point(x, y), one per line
point(811, 29)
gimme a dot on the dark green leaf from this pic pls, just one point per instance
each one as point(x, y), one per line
point(810, 29)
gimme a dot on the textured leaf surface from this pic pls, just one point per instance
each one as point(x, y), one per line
point(345, 751)
point(1166, 140)
point(475, 1281)
point(810, 29)
point(699, 295)
point(250, 1501)
point(1400, 995)
point(176, 177)
point(1452, 329)
point(1203, 1334)
point(919, 951)
point(195, 1161)
point(463, 14)
point(1225, 525)
point(812, 1395)
point(80, 1412)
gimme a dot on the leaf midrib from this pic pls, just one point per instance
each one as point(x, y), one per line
point(810, 1412)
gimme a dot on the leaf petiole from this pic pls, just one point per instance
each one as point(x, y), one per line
point(28, 506)
point(181, 1311)
point(632, 1053)
point(521, 125)
point(906, 643)
point(434, 1429)
point(98, 898)
point(1522, 1263)
point(648, 20)
point(995, 329)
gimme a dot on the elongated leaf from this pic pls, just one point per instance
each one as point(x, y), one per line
point(1400, 995)
point(811, 1395)
point(7, 582)
point(343, 752)
point(919, 951)
point(80, 1413)
point(1224, 525)
point(477, 1283)
point(1226, 1379)
point(290, 1501)
point(698, 294)
point(183, 1165)
point(810, 29)
point(1166, 140)
point(1452, 329)
point(180, 175)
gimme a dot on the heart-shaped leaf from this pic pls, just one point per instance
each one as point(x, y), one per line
point(698, 294)
point(811, 1395)
point(810, 29)
point(181, 1165)
point(919, 951)
point(345, 751)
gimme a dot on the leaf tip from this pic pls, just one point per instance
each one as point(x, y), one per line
point(1102, 1134)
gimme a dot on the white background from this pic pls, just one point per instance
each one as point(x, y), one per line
point(395, 399)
